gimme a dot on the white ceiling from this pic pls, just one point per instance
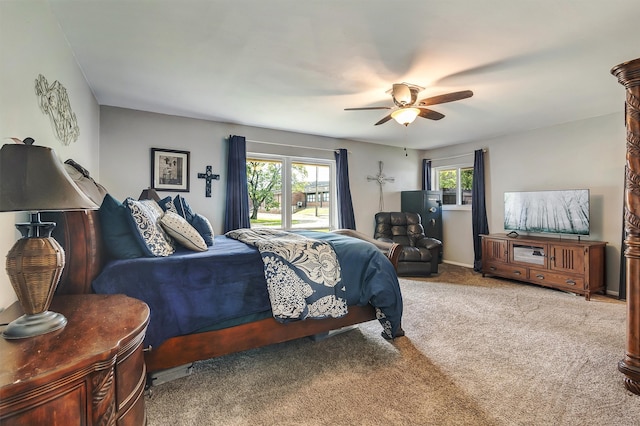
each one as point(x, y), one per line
point(296, 64)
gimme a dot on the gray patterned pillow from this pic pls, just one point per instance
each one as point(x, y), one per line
point(144, 218)
point(185, 234)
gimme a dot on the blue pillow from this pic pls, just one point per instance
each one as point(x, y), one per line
point(116, 231)
point(167, 204)
point(144, 219)
point(183, 208)
point(204, 228)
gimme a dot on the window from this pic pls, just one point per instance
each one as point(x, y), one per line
point(455, 182)
point(290, 193)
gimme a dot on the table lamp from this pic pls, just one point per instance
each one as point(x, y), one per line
point(32, 179)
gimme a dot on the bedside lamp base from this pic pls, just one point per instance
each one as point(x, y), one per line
point(34, 325)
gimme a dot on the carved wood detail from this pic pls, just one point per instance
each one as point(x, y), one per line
point(103, 400)
point(628, 75)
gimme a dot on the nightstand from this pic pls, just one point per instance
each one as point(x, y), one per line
point(90, 372)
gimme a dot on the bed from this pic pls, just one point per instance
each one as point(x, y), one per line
point(173, 340)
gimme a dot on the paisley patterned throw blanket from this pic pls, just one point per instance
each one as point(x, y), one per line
point(303, 274)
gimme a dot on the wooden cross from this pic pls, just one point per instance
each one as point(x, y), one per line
point(381, 179)
point(208, 176)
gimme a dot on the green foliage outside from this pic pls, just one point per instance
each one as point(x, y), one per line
point(466, 179)
point(264, 179)
point(448, 179)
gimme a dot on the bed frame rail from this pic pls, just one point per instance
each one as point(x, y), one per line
point(185, 349)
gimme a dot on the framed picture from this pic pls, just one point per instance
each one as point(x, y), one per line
point(169, 170)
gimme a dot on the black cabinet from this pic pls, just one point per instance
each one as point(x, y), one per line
point(428, 204)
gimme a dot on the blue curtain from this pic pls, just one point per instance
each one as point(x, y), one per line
point(237, 210)
point(426, 175)
point(478, 208)
point(346, 218)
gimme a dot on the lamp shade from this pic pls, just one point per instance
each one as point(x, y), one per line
point(149, 194)
point(32, 178)
point(405, 116)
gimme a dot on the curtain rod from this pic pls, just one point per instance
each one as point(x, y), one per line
point(455, 156)
point(294, 146)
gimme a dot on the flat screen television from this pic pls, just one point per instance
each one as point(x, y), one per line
point(557, 212)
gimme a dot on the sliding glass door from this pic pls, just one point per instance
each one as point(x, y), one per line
point(290, 193)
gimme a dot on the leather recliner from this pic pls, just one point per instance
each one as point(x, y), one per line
point(420, 254)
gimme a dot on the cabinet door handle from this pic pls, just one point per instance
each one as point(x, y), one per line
point(552, 258)
point(540, 277)
point(493, 268)
point(571, 282)
point(517, 272)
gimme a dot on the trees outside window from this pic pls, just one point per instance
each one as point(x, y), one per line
point(264, 180)
point(455, 184)
point(287, 192)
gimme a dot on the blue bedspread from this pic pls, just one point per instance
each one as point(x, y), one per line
point(188, 291)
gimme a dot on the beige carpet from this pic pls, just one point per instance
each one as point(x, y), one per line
point(478, 351)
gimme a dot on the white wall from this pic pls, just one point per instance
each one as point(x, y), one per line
point(583, 154)
point(114, 145)
point(31, 43)
point(126, 137)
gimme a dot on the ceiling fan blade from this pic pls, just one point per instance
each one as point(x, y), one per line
point(449, 97)
point(430, 114)
point(384, 120)
point(365, 108)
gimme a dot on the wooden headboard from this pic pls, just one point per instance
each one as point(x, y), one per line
point(79, 234)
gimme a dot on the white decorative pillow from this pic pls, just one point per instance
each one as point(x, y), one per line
point(185, 234)
point(154, 206)
point(145, 220)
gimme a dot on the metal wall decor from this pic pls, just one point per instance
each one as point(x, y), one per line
point(208, 176)
point(54, 102)
point(380, 179)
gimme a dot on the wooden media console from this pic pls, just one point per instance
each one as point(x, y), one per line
point(566, 264)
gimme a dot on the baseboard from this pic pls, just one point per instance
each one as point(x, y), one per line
point(450, 262)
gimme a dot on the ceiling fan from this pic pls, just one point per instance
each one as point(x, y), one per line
point(407, 107)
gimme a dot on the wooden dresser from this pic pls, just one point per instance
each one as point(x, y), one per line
point(92, 372)
point(565, 264)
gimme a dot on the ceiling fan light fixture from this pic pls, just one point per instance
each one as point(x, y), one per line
point(405, 116)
